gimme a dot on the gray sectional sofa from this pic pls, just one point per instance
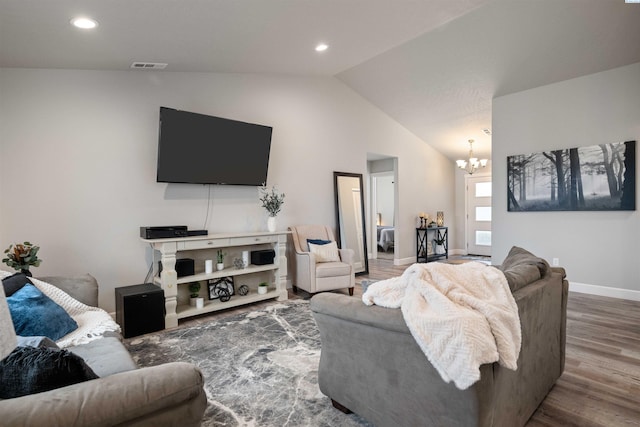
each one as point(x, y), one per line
point(166, 395)
point(370, 363)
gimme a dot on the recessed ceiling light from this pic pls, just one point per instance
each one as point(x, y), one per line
point(321, 47)
point(84, 23)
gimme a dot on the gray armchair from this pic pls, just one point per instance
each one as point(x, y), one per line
point(313, 276)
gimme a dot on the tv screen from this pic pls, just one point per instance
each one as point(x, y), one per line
point(200, 149)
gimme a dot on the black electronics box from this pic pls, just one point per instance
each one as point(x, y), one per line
point(184, 267)
point(140, 309)
point(197, 232)
point(263, 257)
point(164, 232)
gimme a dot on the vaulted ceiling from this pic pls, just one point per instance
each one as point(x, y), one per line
point(432, 65)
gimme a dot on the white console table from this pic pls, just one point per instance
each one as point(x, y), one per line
point(201, 248)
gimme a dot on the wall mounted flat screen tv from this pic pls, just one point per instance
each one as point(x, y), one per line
point(199, 149)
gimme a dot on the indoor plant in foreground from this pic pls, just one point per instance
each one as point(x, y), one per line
point(21, 256)
point(272, 201)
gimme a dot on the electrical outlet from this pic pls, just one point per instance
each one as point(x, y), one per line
point(556, 262)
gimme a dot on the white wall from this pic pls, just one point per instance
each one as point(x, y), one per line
point(598, 249)
point(78, 159)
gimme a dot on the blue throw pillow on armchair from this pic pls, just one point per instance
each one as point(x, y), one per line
point(318, 241)
point(35, 314)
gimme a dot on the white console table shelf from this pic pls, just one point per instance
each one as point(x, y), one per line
point(204, 247)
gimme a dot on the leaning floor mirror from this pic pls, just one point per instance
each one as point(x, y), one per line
point(350, 217)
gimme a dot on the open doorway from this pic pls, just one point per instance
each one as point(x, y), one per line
point(384, 213)
point(383, 206)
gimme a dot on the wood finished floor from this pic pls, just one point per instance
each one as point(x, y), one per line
point(600, 386)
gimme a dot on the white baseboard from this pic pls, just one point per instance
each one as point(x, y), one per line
point(604, 291)
point(404, 261)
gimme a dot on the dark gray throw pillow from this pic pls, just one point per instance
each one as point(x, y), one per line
point(14, 283)
point(29, 370)
point(521, 268)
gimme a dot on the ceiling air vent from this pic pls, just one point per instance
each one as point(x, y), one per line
point(148, 65)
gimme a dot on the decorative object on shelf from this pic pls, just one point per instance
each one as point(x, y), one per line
point(440, 219)
point(199, 302)
point(21, 256)
point(239, 263)
point(220, 260)
point(224, 295)
point(245, 258)
point(208, 266)
point(471, 165)
point(432, 224)
point(272, 201)
point(221, 288)
point(194, 289)
point(424, 219)
point(243, 290)
point(438, 242)
point(263, 287)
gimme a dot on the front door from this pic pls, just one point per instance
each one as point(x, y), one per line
point(479, 215)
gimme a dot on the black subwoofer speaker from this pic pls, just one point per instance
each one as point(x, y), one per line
point(140, 309)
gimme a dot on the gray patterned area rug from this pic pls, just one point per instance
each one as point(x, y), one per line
point(260, 367)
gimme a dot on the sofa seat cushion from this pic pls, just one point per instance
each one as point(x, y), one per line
point(332, 269)
point(106, 356)
point(29, 370)
point(521, 268)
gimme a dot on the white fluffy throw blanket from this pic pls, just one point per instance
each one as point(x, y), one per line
point(92, 321)
point(461, 316)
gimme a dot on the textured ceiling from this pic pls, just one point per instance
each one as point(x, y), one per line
point(440, 85)
point(432, 65)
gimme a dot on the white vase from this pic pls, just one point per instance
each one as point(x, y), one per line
point(262, 289)
point(220, 266)
point(200, 302)
point(271, 224)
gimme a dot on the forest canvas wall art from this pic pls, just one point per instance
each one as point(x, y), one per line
point(595, 178)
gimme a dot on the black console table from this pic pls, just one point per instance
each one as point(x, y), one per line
point(425, 243)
